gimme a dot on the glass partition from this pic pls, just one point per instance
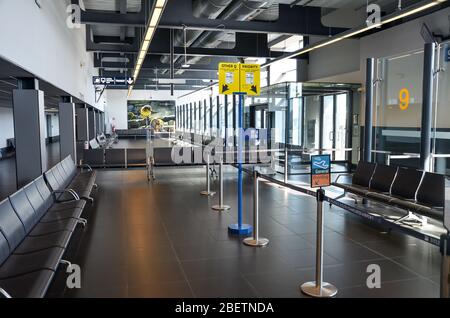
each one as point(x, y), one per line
point(398, 107)
point(441, 111)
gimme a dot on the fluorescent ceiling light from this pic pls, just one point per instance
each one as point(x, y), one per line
point(151, 27)
point(160, 3)
point(348, 34)
point(149, 34)
point(155, 17)
point(145, 45)
point(185, 66)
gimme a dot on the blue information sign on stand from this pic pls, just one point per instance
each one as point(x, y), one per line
point(447, 53)
point(320, 171)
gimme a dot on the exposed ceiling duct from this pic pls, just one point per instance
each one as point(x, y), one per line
point(208, 9)
point(238, 10)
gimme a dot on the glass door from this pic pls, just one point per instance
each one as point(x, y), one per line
point(328, 124)
point(340, 137)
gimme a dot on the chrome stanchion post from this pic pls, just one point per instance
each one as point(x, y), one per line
point(207, 192)
point(221, 206)
point(445, 267)
point(319, 288)
point(256, 241)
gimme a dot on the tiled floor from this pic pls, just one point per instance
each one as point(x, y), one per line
point(163, 240)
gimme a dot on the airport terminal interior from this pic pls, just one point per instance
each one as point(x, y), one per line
point(224, 149)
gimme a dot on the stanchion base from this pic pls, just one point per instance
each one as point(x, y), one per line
point(244, 229)
point(220, 207)
point(206, 193)
point(250, 241)
point(327, 290)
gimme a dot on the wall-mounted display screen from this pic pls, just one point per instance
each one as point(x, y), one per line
point(161, 115)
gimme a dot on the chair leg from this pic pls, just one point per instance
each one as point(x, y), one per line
point(422, 220)
point(82, 221)
point(89, 199)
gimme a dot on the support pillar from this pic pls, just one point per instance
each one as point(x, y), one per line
point(92, 124)
point(82, 124)
point(29, 130)
point(370, 76)
point(67, 128)
point(427, 107)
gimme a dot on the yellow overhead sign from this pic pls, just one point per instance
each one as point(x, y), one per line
point(228, 78)
point(250, 79)
point(239, 78)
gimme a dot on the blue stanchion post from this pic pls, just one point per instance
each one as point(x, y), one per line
point(239, 228)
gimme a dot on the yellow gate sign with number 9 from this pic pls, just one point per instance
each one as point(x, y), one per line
point(403, 96)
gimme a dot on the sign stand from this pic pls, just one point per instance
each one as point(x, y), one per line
point(320, 177)
point(319, 288)
point(239, 228)
point(240, 79)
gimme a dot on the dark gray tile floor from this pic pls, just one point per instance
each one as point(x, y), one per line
point(163, 240)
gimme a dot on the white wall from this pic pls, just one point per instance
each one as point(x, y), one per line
point(116, 107)
point(339, 58)
point(6, 125)
point(39, 41)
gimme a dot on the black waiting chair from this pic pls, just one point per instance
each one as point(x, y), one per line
point(360, 180)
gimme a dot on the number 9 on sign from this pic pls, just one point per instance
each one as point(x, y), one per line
point(403, 96)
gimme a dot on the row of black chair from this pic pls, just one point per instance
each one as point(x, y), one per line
point(115, 158)
point(131, 133)
point(36, 225)
point(409, 189)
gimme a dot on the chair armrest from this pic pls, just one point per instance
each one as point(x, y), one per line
point(4, 293)
point(341, 175)
point(69, 191)
point(85, 165)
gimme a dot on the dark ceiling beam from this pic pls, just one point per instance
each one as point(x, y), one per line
point(292, 20)
point(153, 62)
point(113, 39)
point(109, 43)
point(247, 45)
point(160, 87)
point(211, 75)
point(128, 19)
point(123, 10)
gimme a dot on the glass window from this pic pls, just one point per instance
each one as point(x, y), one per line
point(214, 117)
point(312, 121)
point(222, 116)
point(297, 121)
point(207, 118)
point(328, 123)
point(279, 126)
point(341, 126)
